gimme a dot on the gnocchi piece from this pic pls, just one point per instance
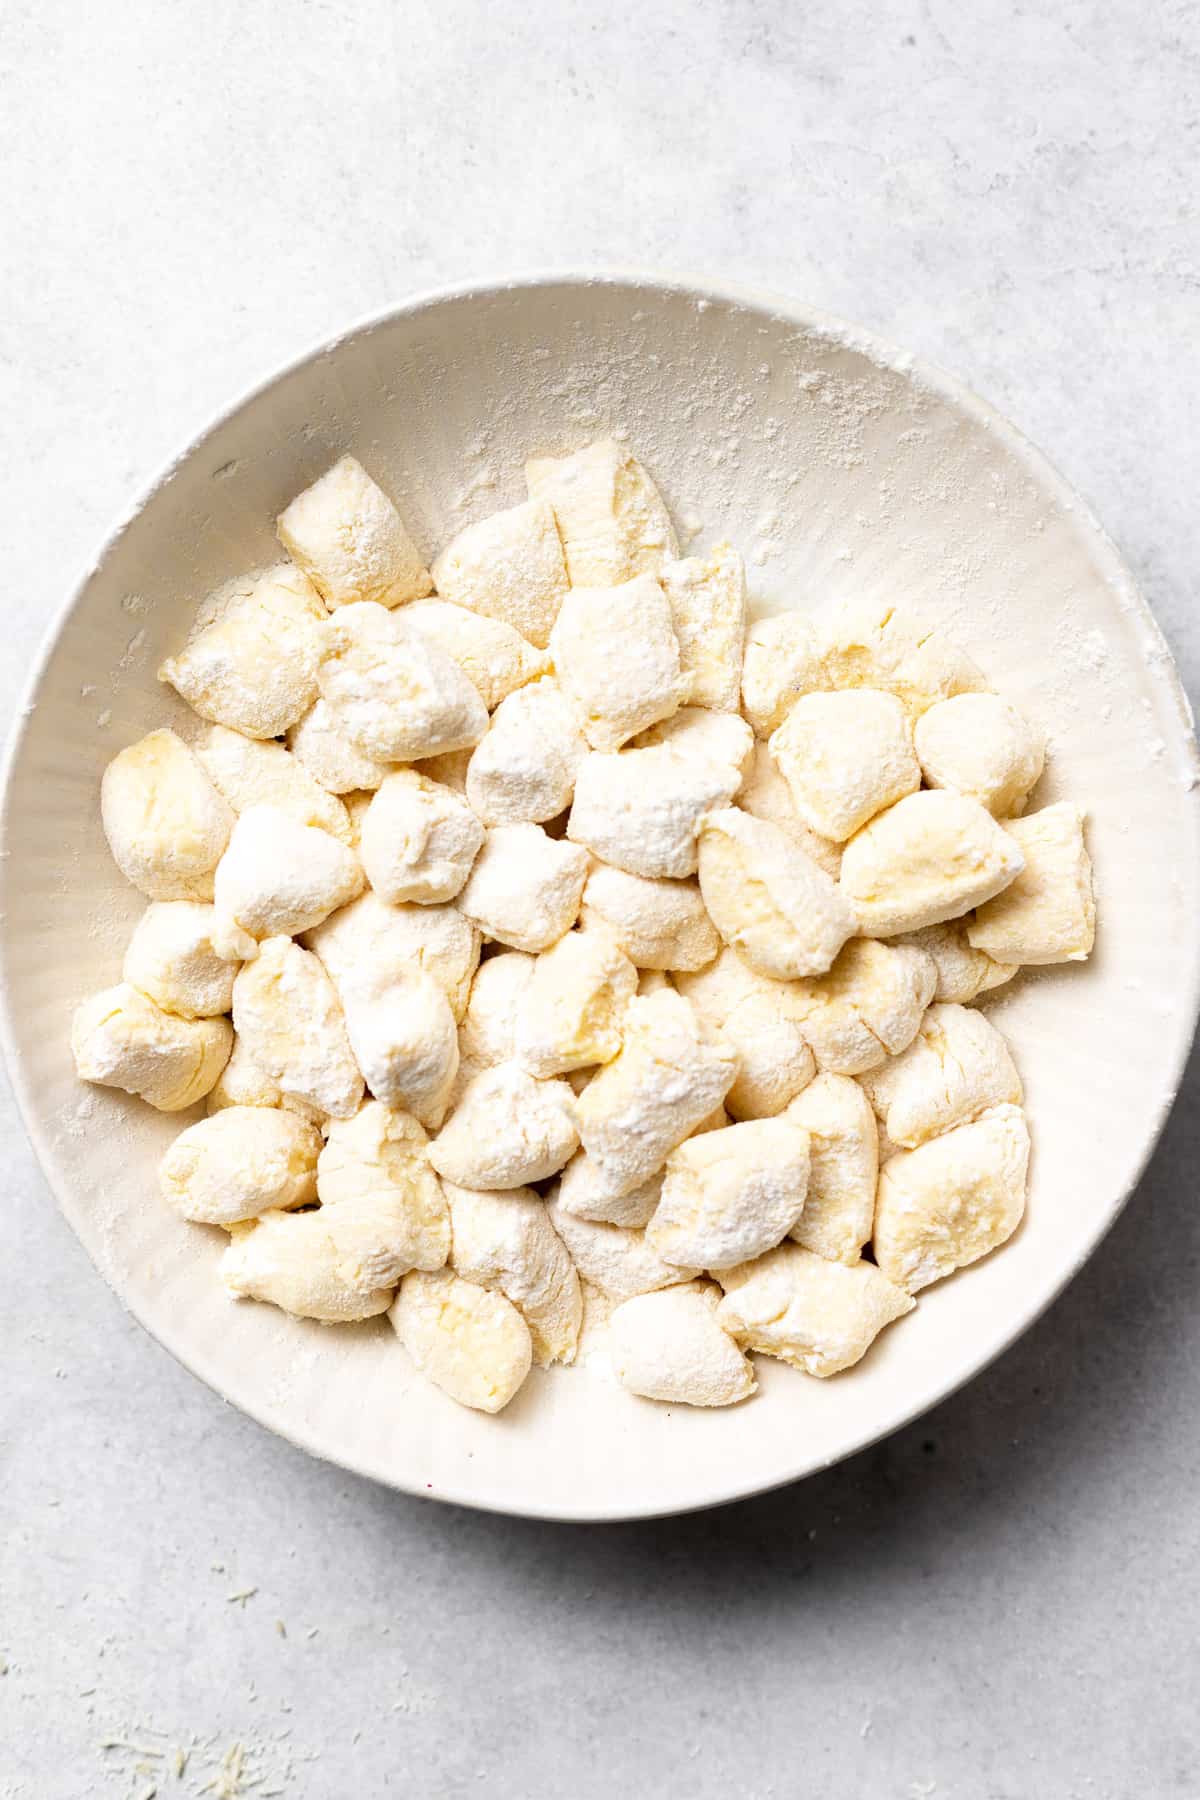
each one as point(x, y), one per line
point(403, 1036)
point(753, 1016)
point(730, 1195)
point(768, 900)
point(166, 824)
point(468, 1340)
point(957, 1067)
point(867, 1008)
point(610, 515)
point(488, 1034)
point(618, 1261)
point(962, 973)
point(509, 567)
point(172, 957)
point(278, 878)
point(506, 1242)
point(707, 597)
point(331, 758)
point(251, 660)
point(817, 1315)
point(952, 1200)
point(393, 692)
point(641, 810)
point(665, 1079)
point(782, 661)
point(381, 1156)
point(574, 1006)
point(617, 658)
point(507, 1130)
point(241, 1082)
point(982, 746)
point(419, 840)
point(845, 756)
point(932, 856)
point(872, 643)
point(1048, 915)
point(241, 1162)
point(522, 771)
point(766, 795)
point(346, 535)
point(286, 1009)
point(586, 1192)
point(339, 1264)
point(496, 660)
point(249, 772)
point(695, 732)
point(121, 1039)
point(843, 1145)
point(392, 940)
point(670, 1346)
point(659, 924)
point(525, 887)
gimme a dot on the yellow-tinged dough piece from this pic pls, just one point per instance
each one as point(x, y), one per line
point(488, 1033)
point(874, 643)
point(1048, 915)
point(381, 1155)
point(957, 1067)
point(506, 1242)
point(981, 745)
point(507, 1130)
point(573, 1009)
point(617, 659)
point(659, 924)
point(166, 824)
point(288, 1012)
point(932, 856)
point(523, 768)
point(469, 1341)
point(277, 878)
point(845, 756)
point(754, 1016)
point(525, 887)
point(766, 794)
point(392, 690)
point(338, 1264)
point(403, 1035)
point(782, 661)
point(241, 1082)
point(493, 656)
point(617, 1260)
point(250, 661)
point(392, 940)
point(818, 1315)
point(419, 840)
point(669, 1346)
point(729, 1195)
point(332, 760)
point(768, 900)
point(249, 772)
point(867, 1008)
point(962, 973)
point(610, 515)
point(243, 1161)
point(843, 1147)
point(510, 567)
point(346, 535)
point(586, 1192)
point(952, 1200)
point(172, 957)
point(121, 1039)
point(707, 597)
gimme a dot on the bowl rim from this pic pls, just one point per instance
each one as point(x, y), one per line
point(834, 328)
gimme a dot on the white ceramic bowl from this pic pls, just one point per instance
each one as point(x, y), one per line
point(838, 466)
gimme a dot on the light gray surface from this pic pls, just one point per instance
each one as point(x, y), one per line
point(997, 1604)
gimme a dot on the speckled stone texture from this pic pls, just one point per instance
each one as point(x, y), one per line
point(997, 1604)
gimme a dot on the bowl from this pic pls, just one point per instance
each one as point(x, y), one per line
point(839, 466)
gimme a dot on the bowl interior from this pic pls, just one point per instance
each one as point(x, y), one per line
point(838, 468)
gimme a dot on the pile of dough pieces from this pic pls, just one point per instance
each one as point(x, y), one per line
point(541, 931)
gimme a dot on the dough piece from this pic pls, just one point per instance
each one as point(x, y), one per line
point(381, 1157)
point(766, 794)
point(403, 1036)
point(953, 1200)
point(617, 1261)
point(669, 1346)
point(666, 1078)
point(957, 1067)
point(585, 1192)
point(171, 956)
point(419, 840)
point(349, 539)
point(981, 745)
point(818, 1315)
point(754, 1017)
point(242, 1082)
point(278, 878)
point(962, 973)
point(392, 940)
point(730, 1195)
point(510, 567)
point(393, 692)
point(525, 887)
point(251, 659)
point(469, 1341)
point(121, 1039)
point(641, 810)
point(165, 822)
point(241, 1162)
point(574, 1006)
point(286, 1009)
point(506, 1131)
point(610, 515)
point(523, 768)
point(867, 1008)
point(450, 769)
point(845, 756)
point(488, 1034)
point(506, 1242)
point(843, 1144)
point(932, 856)
point(768, 900)
point(1048, 915)
point(496, 660)
point(249, 773)
point(707, 597)
point(617, 659)
point(333, 760)
point(695, 732)
point(782, 661)
point(338, 1264)
point(872, 643)
point(659, 924)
